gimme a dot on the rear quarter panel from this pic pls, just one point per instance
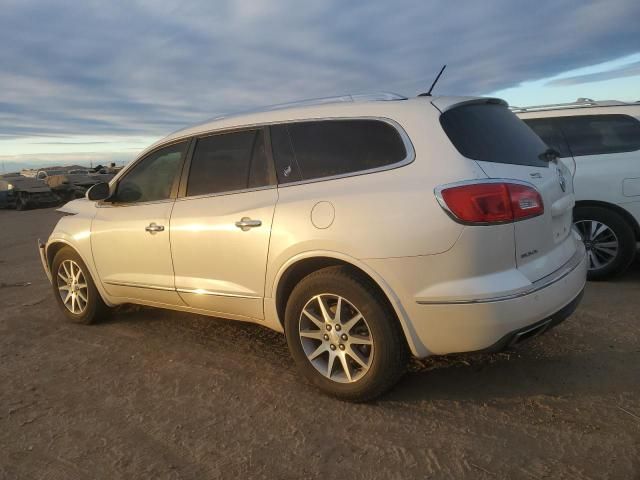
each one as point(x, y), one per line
point(387, 214)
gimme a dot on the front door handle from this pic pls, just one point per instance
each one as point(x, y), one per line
point(246, 223)
point(153, 228)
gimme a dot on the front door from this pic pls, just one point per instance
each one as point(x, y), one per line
point(130, 232)
point(220, 226)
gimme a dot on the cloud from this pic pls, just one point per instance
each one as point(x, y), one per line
point(630, 70)
point(148, 68)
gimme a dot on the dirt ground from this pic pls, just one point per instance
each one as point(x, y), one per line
point(155, 394)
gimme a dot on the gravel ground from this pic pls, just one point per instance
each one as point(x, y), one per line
point(156, 394)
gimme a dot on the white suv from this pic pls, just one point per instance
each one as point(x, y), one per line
point(600, 143)
point(366, 229)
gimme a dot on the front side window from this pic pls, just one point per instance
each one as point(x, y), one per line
point(601, 134)
point(324, 148)
point(548, 129)
point(152, 178)
point(227, 162)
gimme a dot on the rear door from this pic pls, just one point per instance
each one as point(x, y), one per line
point(221, 224)
point(504, 147)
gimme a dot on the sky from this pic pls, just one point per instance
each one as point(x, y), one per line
point(97, 81)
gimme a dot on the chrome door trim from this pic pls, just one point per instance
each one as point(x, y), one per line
point(195, 291)
point(200, 291)
point(139, 285)
point(229, 192)
point(539, 284)
point(406, 140)
point(404, 136)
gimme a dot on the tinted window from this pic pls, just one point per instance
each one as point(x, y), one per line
point(153, 177)
point(492, 133)
point(549, 131)
point(308, 150)
point(287, 169)
point(227, 162)
point(599, 134)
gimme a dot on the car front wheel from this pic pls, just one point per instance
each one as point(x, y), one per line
point(343, 337)
point(74, 289)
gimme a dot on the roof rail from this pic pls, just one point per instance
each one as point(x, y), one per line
point(361, 97)
point(579, 103)
point(358, 97)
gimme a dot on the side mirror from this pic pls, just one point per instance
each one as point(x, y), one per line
point(100, 191)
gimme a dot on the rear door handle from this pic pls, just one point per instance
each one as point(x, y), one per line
point(246, 223)
point(153, 228)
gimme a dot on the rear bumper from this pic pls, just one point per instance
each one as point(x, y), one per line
point(490, 322)
point(520, 335)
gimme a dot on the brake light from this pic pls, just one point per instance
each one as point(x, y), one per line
point(486, 203)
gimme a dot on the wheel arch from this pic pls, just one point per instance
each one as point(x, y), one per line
point(615, 208)
point(302, 265)
point(57, 244)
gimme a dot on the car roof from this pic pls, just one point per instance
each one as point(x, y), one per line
point(356, 105)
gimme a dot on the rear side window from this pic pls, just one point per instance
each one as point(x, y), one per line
point(227, 162)
point(317, 149)
point(492, 133)
point(601, 134)
point(548, 129)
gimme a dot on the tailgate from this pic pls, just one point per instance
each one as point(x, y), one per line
point(543, 243)
point(505, 148)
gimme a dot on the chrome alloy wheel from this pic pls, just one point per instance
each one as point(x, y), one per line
point(336, 338)
point(600, 241)
point(72, 287)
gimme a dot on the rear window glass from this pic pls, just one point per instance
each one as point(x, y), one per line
point(324, 148)
point(601, 134)
point(549, 131)
point(492, 133)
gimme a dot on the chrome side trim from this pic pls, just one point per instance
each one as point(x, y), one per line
point(539, 284)
point(229, 192)
point(140, 285)
point(200, 291)
point(195, 291)
point(406, 140)
point(438, 193)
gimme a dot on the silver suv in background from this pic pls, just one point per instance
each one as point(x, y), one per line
point(599, 141)
point(365, 229)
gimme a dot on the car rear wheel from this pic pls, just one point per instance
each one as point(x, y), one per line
point(609, 240)
point(74, 289)
point(343, 337)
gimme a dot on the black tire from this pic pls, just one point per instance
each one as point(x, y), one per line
point(623, 233)
point(96, 309)
point(390, 352)
point(21, 202)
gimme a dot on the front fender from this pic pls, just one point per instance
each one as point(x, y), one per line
point(75, 231)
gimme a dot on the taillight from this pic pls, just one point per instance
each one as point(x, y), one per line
point(491, 202)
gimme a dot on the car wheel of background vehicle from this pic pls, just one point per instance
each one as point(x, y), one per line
point(21, 202)
point(609, 239)
point(343, 337)
point(75, 290)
